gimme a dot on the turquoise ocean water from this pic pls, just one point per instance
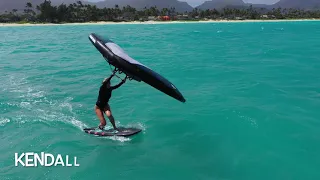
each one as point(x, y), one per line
point(252, 110)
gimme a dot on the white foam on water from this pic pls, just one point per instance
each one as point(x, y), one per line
point(66, 105)
point(4, 121)
point(77, 123)
point(20, 118)
point(119, 138)
point(26, 105)
point(252, 121)
point(56, 114)
point(36, 106)
point(137, 125)
point(36, 94)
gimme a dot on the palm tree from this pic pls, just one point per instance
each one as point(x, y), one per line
point(14, 11)
point(29, 11)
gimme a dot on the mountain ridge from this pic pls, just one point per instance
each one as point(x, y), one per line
point(301, 4)
point(9, 5)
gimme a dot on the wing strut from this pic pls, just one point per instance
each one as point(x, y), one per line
point(115, 70)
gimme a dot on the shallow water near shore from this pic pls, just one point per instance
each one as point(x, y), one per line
point(252, 92)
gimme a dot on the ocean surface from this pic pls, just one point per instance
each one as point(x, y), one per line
point(252, 108)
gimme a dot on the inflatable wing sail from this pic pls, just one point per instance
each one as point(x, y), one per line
point(132, 68)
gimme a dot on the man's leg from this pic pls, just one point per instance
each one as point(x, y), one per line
point(108, 112)
point(100, 116)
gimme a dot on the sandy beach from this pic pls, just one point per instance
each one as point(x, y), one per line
point(151, 22)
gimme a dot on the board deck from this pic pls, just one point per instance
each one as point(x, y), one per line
point(110, 132)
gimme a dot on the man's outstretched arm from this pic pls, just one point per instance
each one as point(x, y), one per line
point(118, 85)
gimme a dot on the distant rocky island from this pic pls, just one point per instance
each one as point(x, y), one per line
point(69, 11)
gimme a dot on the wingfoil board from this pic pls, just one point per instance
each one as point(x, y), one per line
point(110, 132)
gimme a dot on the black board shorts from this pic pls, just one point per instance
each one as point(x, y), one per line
point(101, 105)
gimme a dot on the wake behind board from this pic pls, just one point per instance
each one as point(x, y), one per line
point(110, 132)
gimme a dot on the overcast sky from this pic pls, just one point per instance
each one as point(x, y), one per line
point(198, 2)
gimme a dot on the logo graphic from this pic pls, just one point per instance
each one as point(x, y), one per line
point(31, 159)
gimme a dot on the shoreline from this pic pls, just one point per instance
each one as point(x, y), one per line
point(154, 22)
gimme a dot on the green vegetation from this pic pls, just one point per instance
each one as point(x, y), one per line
point(78, 12)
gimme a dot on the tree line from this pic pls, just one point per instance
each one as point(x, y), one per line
point(79, 12)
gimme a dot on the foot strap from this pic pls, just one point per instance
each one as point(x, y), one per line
point(101, 127)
